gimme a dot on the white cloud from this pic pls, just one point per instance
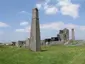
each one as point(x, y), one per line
point(20, 30)
point(38, 6)
point(53, 25)
point(71, 10)
point(24, 23)
point(51, 10)
point(48, 9)
point(61, 25)
point(70, 26)
point(23, 12)
point(26, 29)
point(66, 7)
point(63, 2)
point(3, 24)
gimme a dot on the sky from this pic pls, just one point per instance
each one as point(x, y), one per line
point(54, 15)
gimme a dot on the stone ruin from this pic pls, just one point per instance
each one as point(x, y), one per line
point(21, 43)
point(34, 42)
point(62, 37)
point(13, 43)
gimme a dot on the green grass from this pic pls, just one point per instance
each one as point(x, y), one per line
point(50, 55)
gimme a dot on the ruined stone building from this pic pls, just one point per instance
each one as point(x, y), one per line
point(34, 42)
point(63, 36)
point(21, 43)
point(13, 43)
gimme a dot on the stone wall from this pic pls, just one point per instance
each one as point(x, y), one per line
point(56, 42)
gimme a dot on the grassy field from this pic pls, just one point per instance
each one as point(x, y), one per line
point(49, 55)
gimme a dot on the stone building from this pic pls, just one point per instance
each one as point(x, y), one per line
point(61, 34)
point(13, 43)
point(64, 35)
point(21, 43)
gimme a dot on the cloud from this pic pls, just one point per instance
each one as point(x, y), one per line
point(26, 29)
point(53, 25)
point(51, 10)
point(63, 2)
point(68, 8)
point(3, 24)
point(25, 12)
point(20, 30)
point(70, 26)
point(24, 23)
point(65, 7)
point(57, 26)
point(38, 6)
point(61, 25)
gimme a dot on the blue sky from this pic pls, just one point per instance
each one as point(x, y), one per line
point(16, 15)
